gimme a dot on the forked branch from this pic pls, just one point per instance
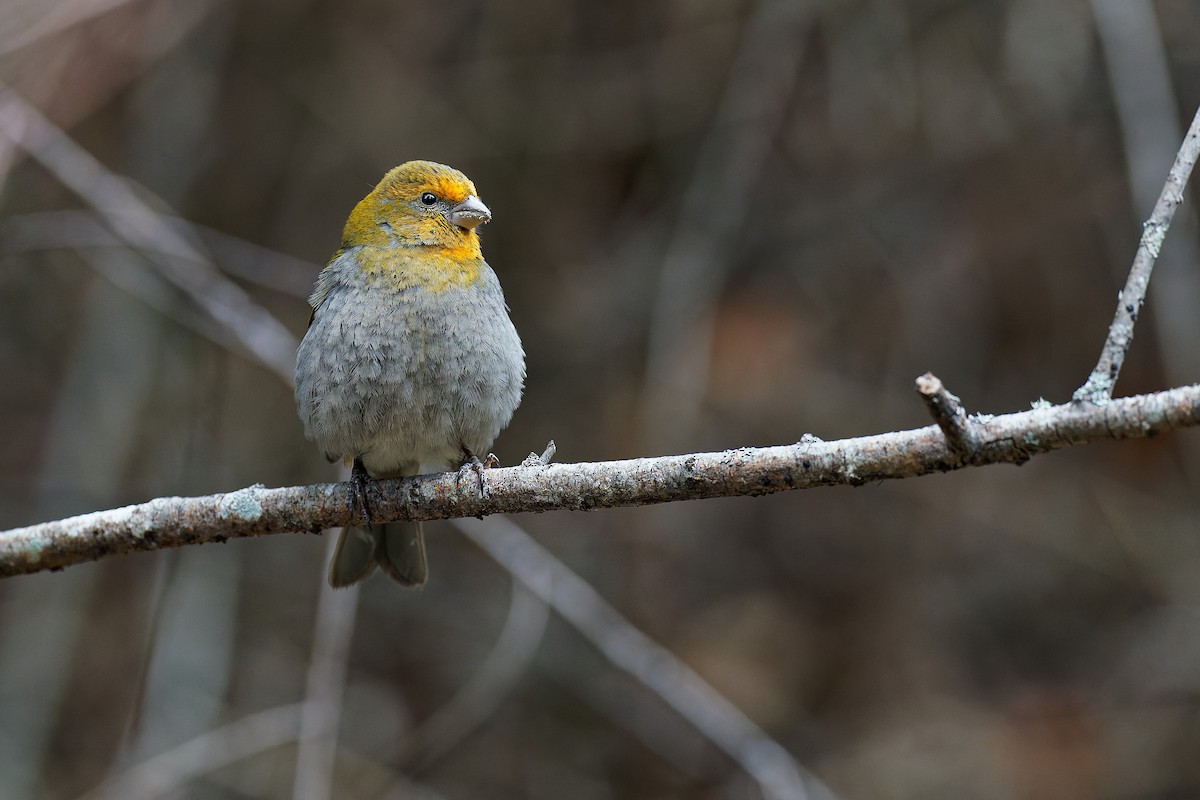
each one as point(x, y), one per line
point(749, 471)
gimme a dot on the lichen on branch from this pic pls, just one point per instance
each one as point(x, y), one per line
point(748, 471)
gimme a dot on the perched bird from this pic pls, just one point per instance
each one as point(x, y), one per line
point(410, 360)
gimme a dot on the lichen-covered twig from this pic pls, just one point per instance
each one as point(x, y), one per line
point(950, 416)
point(1099, 386)
point(257, 511)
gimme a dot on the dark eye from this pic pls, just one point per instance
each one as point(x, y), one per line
point(428, 199)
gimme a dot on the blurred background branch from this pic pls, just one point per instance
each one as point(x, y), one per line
point(131, 219)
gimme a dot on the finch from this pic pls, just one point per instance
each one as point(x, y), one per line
point(410, 361)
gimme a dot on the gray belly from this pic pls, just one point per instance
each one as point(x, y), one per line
point(405, 379)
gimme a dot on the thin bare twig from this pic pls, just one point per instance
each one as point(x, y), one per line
point(1139, 76)
point(1099, 386)
point(950, 416)
point(257, 511)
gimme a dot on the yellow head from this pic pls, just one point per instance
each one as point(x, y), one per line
point(420, 204)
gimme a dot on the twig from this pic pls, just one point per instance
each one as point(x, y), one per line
point(1135, 57)
point(950, 416)
point(1099, 386)
point(534, 460)
point(257, 511)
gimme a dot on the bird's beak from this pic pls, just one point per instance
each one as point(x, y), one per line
point(470, 213)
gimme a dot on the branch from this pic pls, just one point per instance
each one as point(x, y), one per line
point(258, 511)
point(1099, 385)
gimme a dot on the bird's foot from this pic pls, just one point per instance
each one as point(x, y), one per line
point(472, 463)
point(360, 480)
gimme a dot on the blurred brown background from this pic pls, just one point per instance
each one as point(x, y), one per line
point(718, 223)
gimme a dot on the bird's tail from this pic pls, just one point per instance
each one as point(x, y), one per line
point(398, 548)
point(400, 552)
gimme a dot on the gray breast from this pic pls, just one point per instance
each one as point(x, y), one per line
point(400, 376)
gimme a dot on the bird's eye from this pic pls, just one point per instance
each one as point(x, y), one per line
point(428, 199)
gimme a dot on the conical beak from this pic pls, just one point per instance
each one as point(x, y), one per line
point(470, 213)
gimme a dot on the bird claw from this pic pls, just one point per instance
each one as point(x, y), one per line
point(471, 462)
point(360, 480)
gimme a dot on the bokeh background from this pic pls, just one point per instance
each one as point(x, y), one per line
point(718, 223)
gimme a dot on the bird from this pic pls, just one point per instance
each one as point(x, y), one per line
point(411, 361)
